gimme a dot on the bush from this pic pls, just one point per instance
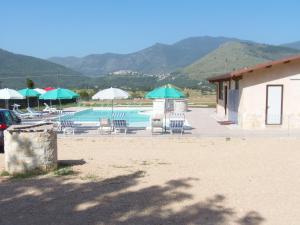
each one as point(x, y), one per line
point(84, 94)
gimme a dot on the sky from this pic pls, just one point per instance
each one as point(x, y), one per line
point(81, 27)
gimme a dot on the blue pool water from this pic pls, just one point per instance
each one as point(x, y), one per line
point(133, 117)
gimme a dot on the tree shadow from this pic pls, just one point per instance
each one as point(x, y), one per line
point(251, 218)
point(24, 147)
point(61, 200)
point(74, 162)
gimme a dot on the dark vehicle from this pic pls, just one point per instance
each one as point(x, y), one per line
point(7, 118)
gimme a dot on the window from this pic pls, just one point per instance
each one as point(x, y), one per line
point(237, 84)
point(14, 117)
point(7, 117)
point(221, 90)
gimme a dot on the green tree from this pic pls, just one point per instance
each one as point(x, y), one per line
point(29, 83)
point(84, 94)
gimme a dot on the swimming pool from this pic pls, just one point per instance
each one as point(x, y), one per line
point(134, 118)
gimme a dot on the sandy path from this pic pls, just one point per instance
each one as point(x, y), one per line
point(124, 180)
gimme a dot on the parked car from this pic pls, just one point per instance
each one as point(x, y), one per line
point(7, 118)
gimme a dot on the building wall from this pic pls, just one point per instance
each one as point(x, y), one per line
point(252, 108)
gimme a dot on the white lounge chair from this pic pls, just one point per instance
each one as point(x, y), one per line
point(157, 122)
point(33, 112)
point(104, 126)
point(51, 109)
point(66, 126)
point(20, 113)
point(23, 115)
point(176, 125)
point(176, 122)
point(119, 125)
point(177, 116)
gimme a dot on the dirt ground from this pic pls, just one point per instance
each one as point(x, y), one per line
point(156, 181)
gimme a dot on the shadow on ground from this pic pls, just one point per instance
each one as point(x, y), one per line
point(62, 163)
point(59, 200)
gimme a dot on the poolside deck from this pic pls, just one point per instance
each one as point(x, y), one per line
point(203, 123)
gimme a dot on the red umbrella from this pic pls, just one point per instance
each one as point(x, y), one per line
point(49, 88)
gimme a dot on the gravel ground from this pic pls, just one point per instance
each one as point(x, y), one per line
point(153, 181)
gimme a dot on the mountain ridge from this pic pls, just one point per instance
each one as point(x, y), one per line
point(295, 45)
point(182, 63)
point(158, 58)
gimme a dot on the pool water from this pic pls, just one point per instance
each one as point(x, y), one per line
point(134, 118)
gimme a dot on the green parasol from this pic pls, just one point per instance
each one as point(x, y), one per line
point(28, 92)
point(165, 92)
point(59, 94)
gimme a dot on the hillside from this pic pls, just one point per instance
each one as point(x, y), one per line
point(159, 58)
point(234, 55)
point(15, 68)
point(295, 45)
point(192, 59)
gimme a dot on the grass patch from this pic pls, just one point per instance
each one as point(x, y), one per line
point(4, 174)
point(64, 170)
point(91, 177)
point(27, 174)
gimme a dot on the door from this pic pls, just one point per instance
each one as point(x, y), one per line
point(233, 105)
point(274, 104)
point(225, 99)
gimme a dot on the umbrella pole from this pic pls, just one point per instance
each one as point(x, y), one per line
point(59, 114)
point(165, 115)
point(112, 113)
point(59, 104)
point(27, 102)
point(112, 109)
point(38, 102)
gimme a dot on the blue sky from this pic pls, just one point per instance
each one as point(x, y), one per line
point(78, 27)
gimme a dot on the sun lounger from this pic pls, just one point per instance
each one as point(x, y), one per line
point(157, 122)
point(118, 115)
point(66, 126)
point(119, 125)
point(177, 116)
point(33, 112)
point(51, 109)
point(177, 125)
point(21, 114)
point(104, 126)
point(176, 122)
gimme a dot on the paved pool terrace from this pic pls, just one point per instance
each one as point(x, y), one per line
point(202, 120)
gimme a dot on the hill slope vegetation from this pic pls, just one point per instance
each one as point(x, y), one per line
point(235, 55)
point(15, 68)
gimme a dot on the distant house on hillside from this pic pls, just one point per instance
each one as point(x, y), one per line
point(265, 95)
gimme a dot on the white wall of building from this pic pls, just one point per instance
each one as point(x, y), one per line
point(252, 110)
point(253, 96)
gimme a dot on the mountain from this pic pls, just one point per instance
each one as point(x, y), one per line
point(188, 61)
point(15, 68)
point(234, 55)
point(295, 45)
point(159, 58)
